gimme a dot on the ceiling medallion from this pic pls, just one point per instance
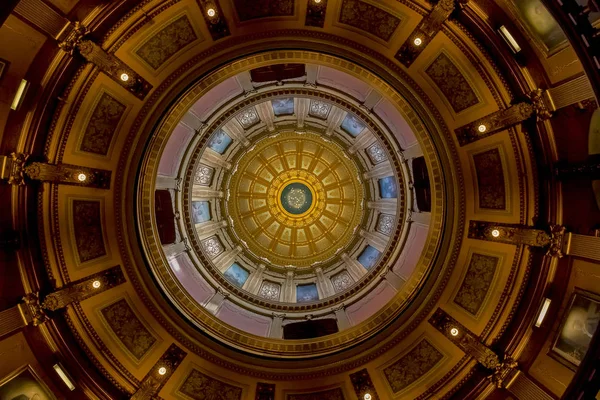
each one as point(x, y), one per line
point(295, 199)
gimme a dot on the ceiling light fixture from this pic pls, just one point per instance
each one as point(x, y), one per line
point(543, 312)
point(162, 371)
point(509, 39)
point(367, 396)
point(496, 233)
point(63, 375)
point(81, 177)
point(211, 12)
point(20, 95)
point(482, 128)
point(454, 332)
point(124, 77)
point(418, 41)
point(96, 284)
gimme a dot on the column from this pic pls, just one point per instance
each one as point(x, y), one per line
point(216, 301)
point(375, 239)
point(354, 268)
point(160, 373)
point(205, 193)
point(209, 228)
point(324, 284)
point(379, 171)
point(385, 206)
point(288, 286)
point(571, 92)
point(234, 129)
point(336, 116)
point(214, 159)
point(343, 322)
point(582, 246)
point(225, 259)
point(255, 279)
point(276, 330)
point(13, 319)
point(302, 109)
point(362, 141)
point(265, 112)
point(245, 81)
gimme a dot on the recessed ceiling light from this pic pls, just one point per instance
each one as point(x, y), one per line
point(211, 12)
point(124, 77)
point(482, 128)
point(162, 371)
point(96, 284)
point(367, 396)
point(418, 41)
point(495, 233)
point(81, 177)
point(454, 332)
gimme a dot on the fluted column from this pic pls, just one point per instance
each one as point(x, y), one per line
point(276, 330)
point(253, 282)
point(288, 287)
point(379, 171)
point(265, 112)
point(225, 259)
point(214, 159)
point(234, 129)
point(302, 109)
point(336, 115)
point(582, 246)
point(324, 285)
point(343, 322)
point(209, 228)
point(385, 206)
point(362, 141)
point(354, 268)
point(375, 239)
point(204, 193)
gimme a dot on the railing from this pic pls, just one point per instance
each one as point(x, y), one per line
point(584, 37)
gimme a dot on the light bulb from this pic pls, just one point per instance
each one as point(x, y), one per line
point(211, 12)
point(418, 41)
point(454, 332)
point(124, 77)
point(81, 177)
point(482, 128)
point(495, 233)
point(162, 371)
point(96, 284)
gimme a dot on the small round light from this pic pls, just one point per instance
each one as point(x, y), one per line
point(162, 371)
point(124, 77)
point(495, 233)
point(482, 128)
point(418, 41)
point(454, 332)
point(367, 396)
point(81, 177)
point(211, 12)
point(317, 1)
point(96, 284)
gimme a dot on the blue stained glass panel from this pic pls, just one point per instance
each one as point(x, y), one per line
point(388, 188)
point(236, 274)
point(352, 125)
point(283, 106)
point(200, 211)
point(306, 293)
point(368, 258)
point(220, 141)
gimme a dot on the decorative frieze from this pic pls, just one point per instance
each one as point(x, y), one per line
point(552, 240)
point(160, 373)
point(429, 26)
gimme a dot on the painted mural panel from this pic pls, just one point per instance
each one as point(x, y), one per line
point(199, 386)
point(87, 229)
point(490, 180)
point(283, 106)
point(306, 293)
point(412, 366)
point(247, 10)
point(200, 211)
point(331, 394)
point(103, 123)
point(577, 327)
point(127, 327)
point(24, 385)
point(236, 274)
point(451, 82)
point(167, 42)
point(476, 284)
point(368, 258)
point(352, 125)
point(541, 23)
point(367, 17)
point(388, 188)
point(220, 141)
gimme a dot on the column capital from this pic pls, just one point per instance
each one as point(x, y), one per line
point(542, 104)
point(74, 37)
point(503, 371)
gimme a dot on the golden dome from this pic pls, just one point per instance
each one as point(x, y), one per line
point(331, 205)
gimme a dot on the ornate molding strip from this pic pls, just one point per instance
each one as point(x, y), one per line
point(553, 240)
point(362, 384)
point(116, 69)
point(160, 373)
point(315, 13)
point(214, 18)
point(84, 288)
point(429, 26)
